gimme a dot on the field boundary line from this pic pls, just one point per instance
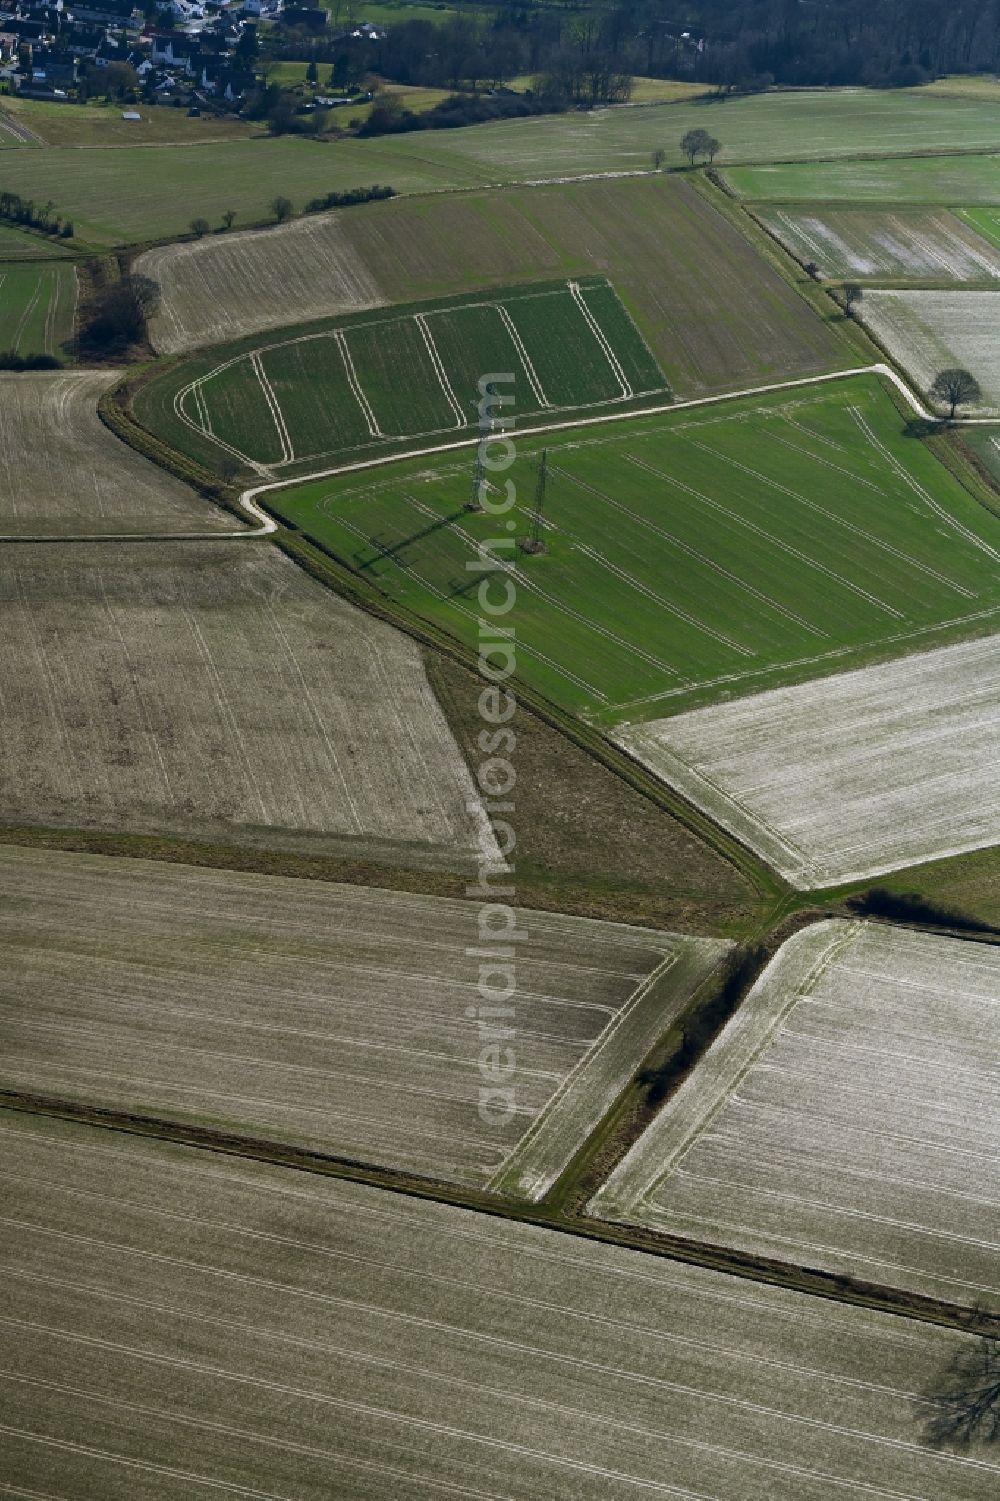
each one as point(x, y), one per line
point(691, 551)
point(918, 489)
point(287, 451)
point(572, 423)
point(742, 521)
point(745, 1038)
point(266, 525)
point(367, 411)
point(27, 314)
point(177, 405)
point(843, 521)
point(602, 339)
point(201, 406)
point(439, 370)
point(50, 315)
point(808, 1281)
point(536, 386)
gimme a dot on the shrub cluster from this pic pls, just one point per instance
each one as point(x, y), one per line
point(11, 360)
point(741, 970)
point(17, 210)
point(387, 117)
point(114, 318)
point(910, 906)
point(348, 197)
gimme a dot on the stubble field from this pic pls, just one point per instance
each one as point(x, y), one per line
point(329, 1016)
point(715, 313)
point(213, 689)
point(37, 308)
point(930, 331)
point(337, 1018)
point(183, 1326)
point(62, 472)
point(689, 555)
point(901, 244)
point(306, 269)
point(850, 776)
point(844, 1118)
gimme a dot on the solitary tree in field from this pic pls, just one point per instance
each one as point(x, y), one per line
point(200, 227)
point(956, 387)
point(697, 143)
point(281, 208)
point(852, 296)
point(229, 218)
point(964, 1403)
point(659, 157)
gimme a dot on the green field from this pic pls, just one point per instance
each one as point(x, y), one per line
point(21, 245)
point(915, 179)
point(358, 385)
point(120, 196)
point(985, 221)
point(689, 555)
point(37, 308)
point(49, 123)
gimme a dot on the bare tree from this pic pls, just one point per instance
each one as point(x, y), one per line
point(229, 218)
point(697, 143)
point(659, 157)
point(200, 227)
point(965, 1399)
point(281, 208)
point(956, 387)
point(693, 144)
point(852, 296)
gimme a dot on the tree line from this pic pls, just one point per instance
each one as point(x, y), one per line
point(587, 56)
point(17, 210)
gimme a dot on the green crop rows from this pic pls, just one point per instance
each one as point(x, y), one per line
point(691, 554)
point(387, 377)
point(37, 307)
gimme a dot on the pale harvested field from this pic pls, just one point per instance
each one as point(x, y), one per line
point(716, 313)
point(847, 776)
point(925, 245)
point(225, 286)
point(335, 1017)
point(180, 1325)
point(930, 331)
point(845, 1119)
point(213, 689)
point(62, 472)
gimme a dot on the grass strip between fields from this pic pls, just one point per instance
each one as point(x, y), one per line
point(837, 1288)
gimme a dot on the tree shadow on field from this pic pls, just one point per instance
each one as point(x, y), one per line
point(921, 427)
point(961, 1407)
